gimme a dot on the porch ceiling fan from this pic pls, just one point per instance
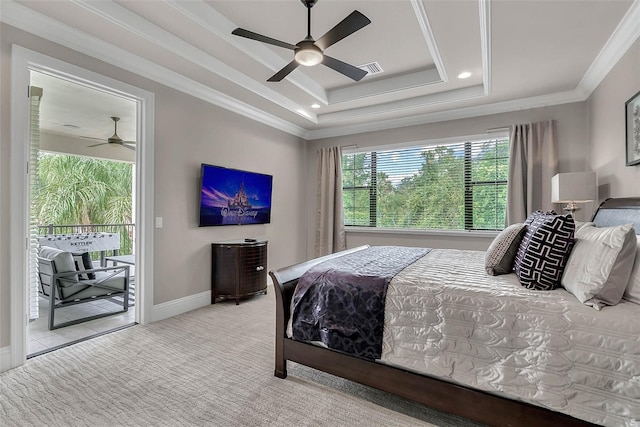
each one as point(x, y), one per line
point(310, 52)
point(115, 139)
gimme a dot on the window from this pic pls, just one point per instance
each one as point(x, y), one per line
point(460, 186)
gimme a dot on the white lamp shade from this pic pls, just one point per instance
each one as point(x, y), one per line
point(577, 187)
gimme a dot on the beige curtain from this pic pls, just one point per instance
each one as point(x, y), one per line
point(330, 235)
point(533, 161)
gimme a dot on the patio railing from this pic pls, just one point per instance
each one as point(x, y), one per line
point(126, 232)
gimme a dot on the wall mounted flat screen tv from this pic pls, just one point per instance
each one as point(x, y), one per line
point(234, 197)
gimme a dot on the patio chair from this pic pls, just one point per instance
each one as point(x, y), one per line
point(67, 282)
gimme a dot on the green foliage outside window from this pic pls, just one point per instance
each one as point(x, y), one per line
point(84, 191)
point(460, 186)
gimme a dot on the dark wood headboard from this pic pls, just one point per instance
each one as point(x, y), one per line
point(617, 211)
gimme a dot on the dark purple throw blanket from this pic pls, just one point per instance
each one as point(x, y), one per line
point(340, 302)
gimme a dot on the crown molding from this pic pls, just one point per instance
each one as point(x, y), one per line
point(41, 25)
point(213, 21)
point(453, 114)
point(405, 104)
point(425, 27)
point(207, 17)
point(625, 34)
point(623, 37)
point(200, 11)
point(384, 86)
point(415, 80)
point(135, 24)
point(484, 7)
point(396, 84)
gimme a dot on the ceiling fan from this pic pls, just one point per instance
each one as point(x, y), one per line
point(115, 139)
point(310, 52)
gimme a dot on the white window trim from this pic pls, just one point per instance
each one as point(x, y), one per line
point(355, 149)
point(418, 232)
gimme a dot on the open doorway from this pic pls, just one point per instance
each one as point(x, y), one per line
point(24, 62)
point(82, 200)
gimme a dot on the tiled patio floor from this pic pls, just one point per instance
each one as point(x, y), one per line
point(42, 339)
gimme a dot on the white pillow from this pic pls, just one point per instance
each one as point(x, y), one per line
point(580, 224)
point(63, 261)
point(632, 293)
point(600, 264)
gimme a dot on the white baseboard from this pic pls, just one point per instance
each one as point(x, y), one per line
point(182, 305)
point(5, 358)
point(179, 306)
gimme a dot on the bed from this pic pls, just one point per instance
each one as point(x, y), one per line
point(586, 367)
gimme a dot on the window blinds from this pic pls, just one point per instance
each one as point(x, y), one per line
point(35, 96)
point(458, 186)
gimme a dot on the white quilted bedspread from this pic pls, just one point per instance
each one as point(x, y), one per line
point(447, 318)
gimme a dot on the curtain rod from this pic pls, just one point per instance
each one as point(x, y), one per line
point(503, 128)
point(349, 146)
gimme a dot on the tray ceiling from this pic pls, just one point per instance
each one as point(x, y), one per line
point(521, 54)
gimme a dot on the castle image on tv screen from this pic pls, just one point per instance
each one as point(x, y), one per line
point(234, 197)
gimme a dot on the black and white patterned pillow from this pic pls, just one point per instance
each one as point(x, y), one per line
point(544, 250)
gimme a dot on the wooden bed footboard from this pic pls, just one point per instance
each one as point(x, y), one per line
point(285, 281)
point(438, 394)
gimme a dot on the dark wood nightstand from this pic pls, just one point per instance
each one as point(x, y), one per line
point(238, 269)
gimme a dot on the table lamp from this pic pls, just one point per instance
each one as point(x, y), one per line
point(573, 188)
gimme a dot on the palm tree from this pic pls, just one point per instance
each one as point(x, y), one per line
point(80, 190)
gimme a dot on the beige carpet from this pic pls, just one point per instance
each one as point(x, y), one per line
point(212, 366)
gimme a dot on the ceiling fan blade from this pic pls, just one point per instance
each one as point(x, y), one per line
point(259, 37)
point(284, 72)
point(91, 137)
point(342, 67)
point(95, 145)
point(129, 147)
point(349, 25)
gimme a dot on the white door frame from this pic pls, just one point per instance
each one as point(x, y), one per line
point(22, 61)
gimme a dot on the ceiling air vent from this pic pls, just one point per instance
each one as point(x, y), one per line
point(371, 68)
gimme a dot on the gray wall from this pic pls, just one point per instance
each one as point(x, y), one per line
point(188, 132)
point(572, 140)
point(607, 128)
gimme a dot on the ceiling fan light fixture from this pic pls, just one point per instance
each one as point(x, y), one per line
point(308, 54)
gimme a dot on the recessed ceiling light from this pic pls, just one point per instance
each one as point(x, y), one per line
point(464, 75)
point(315, 106)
